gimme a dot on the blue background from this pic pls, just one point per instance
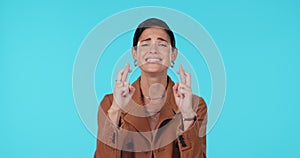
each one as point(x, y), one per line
point(258, 40)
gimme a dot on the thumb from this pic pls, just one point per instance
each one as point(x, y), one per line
point(131, 90)
point(175, 90)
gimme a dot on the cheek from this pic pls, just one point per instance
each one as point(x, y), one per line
point(140, 56)
point(167, 57)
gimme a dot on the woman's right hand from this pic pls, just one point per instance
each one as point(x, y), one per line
point(123, 91)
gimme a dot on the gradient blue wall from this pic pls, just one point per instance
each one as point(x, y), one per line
point(258, 40)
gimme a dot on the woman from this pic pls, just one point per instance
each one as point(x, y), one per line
point(153, 117)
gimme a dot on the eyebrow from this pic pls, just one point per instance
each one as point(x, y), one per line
point(159, 38)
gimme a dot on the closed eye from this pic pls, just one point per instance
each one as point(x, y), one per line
point(145, 45)
point(162, 45)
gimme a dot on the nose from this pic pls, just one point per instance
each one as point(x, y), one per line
point(153, 49)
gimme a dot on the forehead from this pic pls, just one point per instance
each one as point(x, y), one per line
point(154, 33)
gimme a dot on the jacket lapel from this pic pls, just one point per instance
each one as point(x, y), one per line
point(140, 123)
point(170, 108)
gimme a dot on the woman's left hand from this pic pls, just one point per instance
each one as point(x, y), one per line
point(183, 94)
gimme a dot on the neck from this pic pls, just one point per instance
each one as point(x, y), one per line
point(153, 85)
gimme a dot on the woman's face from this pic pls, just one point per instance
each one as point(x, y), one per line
point(154, 52)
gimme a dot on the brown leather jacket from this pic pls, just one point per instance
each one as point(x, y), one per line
point(131, 137)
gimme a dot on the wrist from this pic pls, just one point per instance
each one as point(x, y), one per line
point(190, 114)
point(189, 119)
point(114, 113)
point(114, 108)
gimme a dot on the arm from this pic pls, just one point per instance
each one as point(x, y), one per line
point(109, 136)
point(107, 131)
point(192, 142)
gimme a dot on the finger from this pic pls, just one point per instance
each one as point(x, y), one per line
point(175, 90)
point(187, 79)
point(184, 91)
point(131, 90)
point(121, 87)
point(175, 87)
point(181, 74)
point(125, 85)
point(125, 89)
point(119, 77)
point(184, 86)
point(125, 73)
point(123, 94)
point(119, 84)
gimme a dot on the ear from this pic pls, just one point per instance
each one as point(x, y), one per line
point(134, 53)
point(174, 54)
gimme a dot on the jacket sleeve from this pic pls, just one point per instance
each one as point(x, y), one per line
point(192, 142)
point(107, 132)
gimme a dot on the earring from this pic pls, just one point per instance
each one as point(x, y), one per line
point(135, 62)
point(172, 64)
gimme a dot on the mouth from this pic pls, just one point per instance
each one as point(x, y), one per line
point(153, 60)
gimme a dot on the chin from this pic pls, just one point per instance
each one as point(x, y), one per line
point(152, 68)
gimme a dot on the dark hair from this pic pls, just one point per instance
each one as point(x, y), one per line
point(152, 22)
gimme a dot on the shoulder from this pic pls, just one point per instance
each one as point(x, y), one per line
point(199, 103)
point(106, 102)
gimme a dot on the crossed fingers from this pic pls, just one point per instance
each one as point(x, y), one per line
point(185, 77)
point(122, 76)
point(184, 86)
